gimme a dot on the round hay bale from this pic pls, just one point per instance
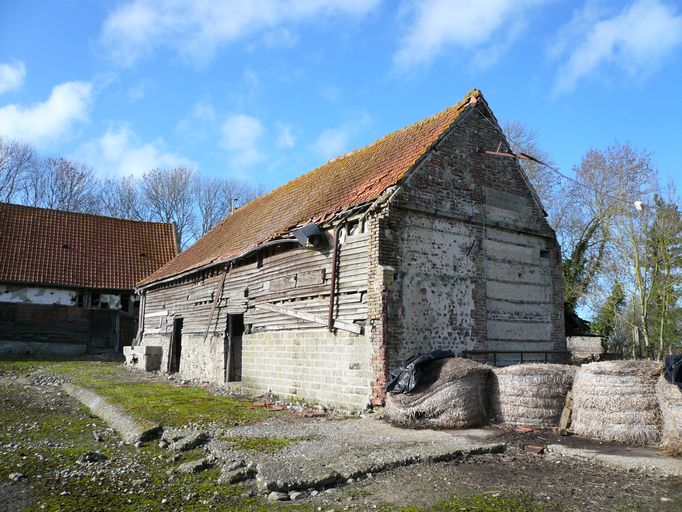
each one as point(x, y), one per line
point(670, 402)
point(451, 396)
point(530, 394)
point(616, 401)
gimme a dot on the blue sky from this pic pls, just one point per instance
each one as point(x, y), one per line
point(267, 90)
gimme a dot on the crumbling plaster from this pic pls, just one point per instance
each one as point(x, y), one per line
point(37, 295)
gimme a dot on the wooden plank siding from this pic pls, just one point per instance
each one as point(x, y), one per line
point(297, 279)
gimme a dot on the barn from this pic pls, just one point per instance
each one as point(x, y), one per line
point(67, 279)
point(430, 237)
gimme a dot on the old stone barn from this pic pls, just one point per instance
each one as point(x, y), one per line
point(67, 279)
point(420, 240)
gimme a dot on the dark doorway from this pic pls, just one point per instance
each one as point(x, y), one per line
point(176, 347)
point(233, 348)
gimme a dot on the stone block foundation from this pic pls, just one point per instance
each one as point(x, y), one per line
point(310, 364)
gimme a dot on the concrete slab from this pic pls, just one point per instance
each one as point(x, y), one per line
point(330, 452)
point(622, 457)
point(130, 430)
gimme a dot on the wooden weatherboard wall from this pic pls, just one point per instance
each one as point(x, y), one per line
point(284, 296)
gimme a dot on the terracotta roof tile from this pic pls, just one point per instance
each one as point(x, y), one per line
point(345, 181)
point(57, 248)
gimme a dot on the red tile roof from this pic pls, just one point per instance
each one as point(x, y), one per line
point(346, 181)
point(79, 250)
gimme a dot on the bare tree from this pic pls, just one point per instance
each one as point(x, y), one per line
point(169, 196)
point(253, 192)
point(121, 197)
point(61, 184)
point(219, 197)
point(212, 204)
point(547, 183)
point(16, 160)
point(238, 193)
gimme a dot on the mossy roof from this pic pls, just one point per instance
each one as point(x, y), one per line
point(343, 182)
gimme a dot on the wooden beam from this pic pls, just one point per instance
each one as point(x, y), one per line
point(309, 317)
point(157, 313)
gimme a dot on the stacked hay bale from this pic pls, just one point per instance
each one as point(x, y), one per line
point(670, 402)
point(616, 401)
point(530, 394)
point(451, 395)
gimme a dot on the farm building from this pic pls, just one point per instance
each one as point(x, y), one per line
point(67, 279)
point(427, 238)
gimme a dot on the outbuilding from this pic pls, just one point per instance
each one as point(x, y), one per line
point(431, 237)
point(67, 279)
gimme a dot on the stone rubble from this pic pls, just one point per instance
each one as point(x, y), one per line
point(189, 442)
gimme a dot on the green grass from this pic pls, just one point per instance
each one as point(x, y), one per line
point(175, 406)
point(53, 434)
point(486, 503)
point(157, 402)
point(264, 444)
point(80, 371)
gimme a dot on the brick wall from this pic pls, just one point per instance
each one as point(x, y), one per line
point(313, 364)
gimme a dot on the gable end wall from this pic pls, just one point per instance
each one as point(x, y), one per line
point(464, 258)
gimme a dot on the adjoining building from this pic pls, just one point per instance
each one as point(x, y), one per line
point(67, 279)
point(431, 237)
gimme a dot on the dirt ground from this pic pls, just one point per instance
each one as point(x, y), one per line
point(45, 436)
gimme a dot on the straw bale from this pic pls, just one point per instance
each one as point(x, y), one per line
point(451, 396)
point(530, 394)
point(616, 401)
point(644, 368)
point(670, 400)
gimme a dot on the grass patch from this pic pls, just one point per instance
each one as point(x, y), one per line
point(486, 503)
point(157, 402)
point(264, 444)
point(49, 435)
point(174, 406)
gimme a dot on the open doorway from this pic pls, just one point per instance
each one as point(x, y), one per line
point(233, 348)
point(175, 347)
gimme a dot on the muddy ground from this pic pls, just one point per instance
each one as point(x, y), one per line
point(45, 437)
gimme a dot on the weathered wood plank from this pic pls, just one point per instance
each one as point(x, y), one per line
point(311, 318)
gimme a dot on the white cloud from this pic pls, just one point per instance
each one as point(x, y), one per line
point(637, 40)
point(285, 136)
point(241, 138)
point(140, 89)
point(336, 141)
point(44, 122)
point(197, 28)
point(332, 142)
point(120, 152)
point(195, 124)
point(11, 76)
point(435, 26)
